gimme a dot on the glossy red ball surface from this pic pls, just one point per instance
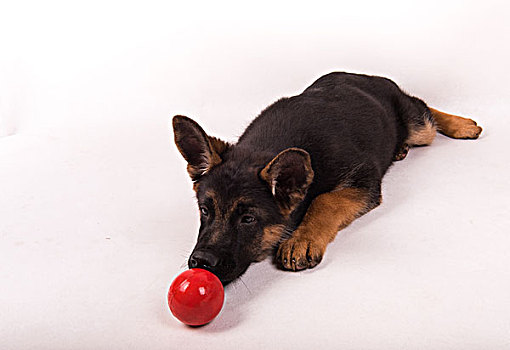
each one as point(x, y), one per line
point(196, 297)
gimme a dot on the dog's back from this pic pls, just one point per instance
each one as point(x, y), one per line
point(351, 125)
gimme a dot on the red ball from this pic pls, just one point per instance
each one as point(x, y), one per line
point(196, 297)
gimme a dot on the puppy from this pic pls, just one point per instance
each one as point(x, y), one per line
point(304, 169)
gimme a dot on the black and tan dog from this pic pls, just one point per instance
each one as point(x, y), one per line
point(305, 168)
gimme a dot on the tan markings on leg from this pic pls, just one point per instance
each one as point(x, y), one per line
point(421, 135)
point(455, 126)
point(270, 239)
point(195, 186)
point(328, 213)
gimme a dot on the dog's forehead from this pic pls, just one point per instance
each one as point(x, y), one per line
point(229, 185)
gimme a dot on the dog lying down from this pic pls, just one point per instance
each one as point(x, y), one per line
point(304, 169)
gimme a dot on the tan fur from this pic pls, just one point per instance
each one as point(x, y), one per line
point(328, 213)
point(421, 135)
point(271, 237)
point(455, 126)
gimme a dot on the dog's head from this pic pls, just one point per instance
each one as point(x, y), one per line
point(245, 198)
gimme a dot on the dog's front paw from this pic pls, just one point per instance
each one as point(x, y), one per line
point(299, 253)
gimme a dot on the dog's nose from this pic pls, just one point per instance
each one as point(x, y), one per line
point(203, 259)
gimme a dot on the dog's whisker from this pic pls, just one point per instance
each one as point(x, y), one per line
point(248, 289)
point(184, 264)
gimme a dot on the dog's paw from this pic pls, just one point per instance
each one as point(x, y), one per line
point(464, 128)
point(402, 153)
point(468, 130)
point(298, 254)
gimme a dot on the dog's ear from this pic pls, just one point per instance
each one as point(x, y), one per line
point(202, 152)
point(289, 175)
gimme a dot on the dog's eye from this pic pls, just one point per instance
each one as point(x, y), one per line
point(204, 211)
point(247, 219)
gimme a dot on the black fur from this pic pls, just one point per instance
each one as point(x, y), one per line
point(351, 125)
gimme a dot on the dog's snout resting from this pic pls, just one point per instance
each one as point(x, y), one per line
point(203, 259)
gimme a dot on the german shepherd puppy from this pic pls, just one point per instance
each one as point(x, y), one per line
point(304, 169)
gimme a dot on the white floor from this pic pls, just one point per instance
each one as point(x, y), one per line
point(97, 214)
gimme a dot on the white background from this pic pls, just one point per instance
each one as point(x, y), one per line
point(97, 214)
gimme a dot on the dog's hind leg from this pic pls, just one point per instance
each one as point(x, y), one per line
point(327, 214)
point(402, 153)
point(423, 133)
point(455, 126)
point(415, 117)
